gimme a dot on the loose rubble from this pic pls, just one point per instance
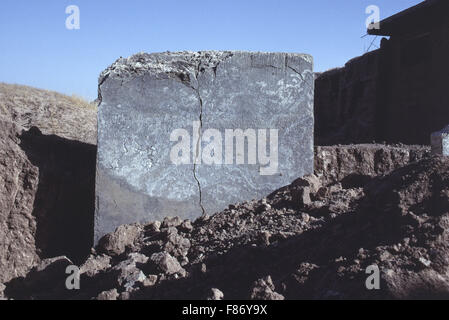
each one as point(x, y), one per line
point(313, 239)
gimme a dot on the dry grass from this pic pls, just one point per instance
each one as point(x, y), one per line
point(13, 94)
point(82, 103)
point(53, 112)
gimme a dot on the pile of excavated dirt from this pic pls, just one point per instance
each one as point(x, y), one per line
point(313, 239)
point(365, 204)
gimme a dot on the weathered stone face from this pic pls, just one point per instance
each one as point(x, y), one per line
point(440, 142)
point(165, 132)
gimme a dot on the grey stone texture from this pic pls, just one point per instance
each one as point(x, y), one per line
point(147, 96)
point(440, 142)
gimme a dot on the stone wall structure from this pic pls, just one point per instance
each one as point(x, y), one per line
point(346, 102)
point(396, 94)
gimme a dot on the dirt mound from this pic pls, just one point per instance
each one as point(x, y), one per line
point(356, 163)
point(366, 205)
point(46, 198)
point(46, 181)
point(312, 239)
point(53, 113)
point(18, 187)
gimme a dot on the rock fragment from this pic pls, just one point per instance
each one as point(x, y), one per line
point(115, 243)
point(215, 294)
point(166, 263)
point(108, 295)
point(95, 264)
point(263, 289)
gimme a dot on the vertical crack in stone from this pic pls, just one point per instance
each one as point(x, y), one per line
point(198, 142)
point(300, 75)
point(101, 80)
point(297, 72)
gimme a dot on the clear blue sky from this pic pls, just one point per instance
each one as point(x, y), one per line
point(36, 48)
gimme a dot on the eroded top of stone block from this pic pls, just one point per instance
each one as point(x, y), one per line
point(174, 63)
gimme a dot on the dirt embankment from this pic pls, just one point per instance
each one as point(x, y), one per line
point(47, 178)
point(366, 205)
point(53, 113)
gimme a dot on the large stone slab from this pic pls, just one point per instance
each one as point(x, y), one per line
point(165, 132)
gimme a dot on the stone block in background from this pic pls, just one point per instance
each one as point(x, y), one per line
point(148, 98)
point(440, 142)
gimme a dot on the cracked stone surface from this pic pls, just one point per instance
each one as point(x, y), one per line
point(440, 142)
point(147, 96)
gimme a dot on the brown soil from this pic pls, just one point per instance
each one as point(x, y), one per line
point(379, 205)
